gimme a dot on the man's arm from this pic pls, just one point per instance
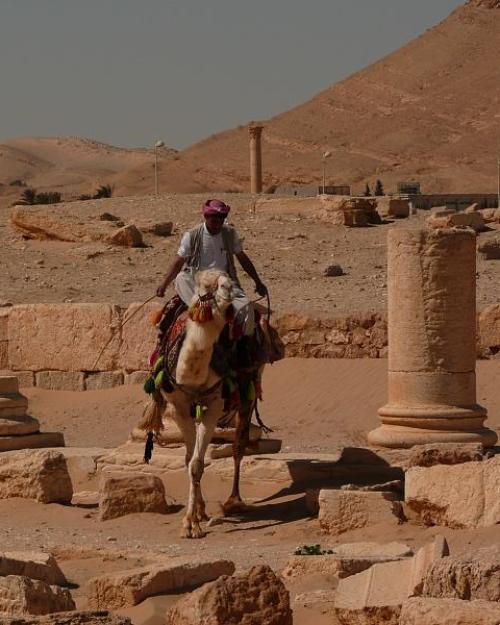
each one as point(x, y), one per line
point(248, 266)
point(170, 276)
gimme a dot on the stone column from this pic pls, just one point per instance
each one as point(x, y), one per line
point(255, 158)
point(432, 341)
point(17, 429)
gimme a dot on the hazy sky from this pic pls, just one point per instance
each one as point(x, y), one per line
point(128, 72)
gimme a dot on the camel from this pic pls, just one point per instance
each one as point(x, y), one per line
point(195, 399)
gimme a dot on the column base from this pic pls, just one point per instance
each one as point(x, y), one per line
point(32, 441)
point(401, 437)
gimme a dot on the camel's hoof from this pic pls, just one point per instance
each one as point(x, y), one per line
point(235, 506)
point(186, 532)
point(197, 532)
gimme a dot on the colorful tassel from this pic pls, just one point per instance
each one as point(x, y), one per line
point(149, 385)
point(201, 312)
point(159, 379)
point(153, 357)
point(159, 364)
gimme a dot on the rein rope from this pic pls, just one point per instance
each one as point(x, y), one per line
point(121, 327)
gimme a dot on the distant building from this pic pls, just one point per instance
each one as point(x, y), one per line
point(341, 189)
point(408, 188)
point(303, 191)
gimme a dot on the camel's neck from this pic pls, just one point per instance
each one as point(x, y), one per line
point(193, 365)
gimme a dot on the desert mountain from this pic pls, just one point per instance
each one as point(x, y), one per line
point(70, 165)
point(427, 112)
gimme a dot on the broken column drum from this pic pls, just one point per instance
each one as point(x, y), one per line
point(432, 341)
point(255, 132)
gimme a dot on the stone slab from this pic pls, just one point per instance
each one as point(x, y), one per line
point(347, 559)
point(32, 441)
point(86, 617)
point(127, 588)
point(61, 380)
point(139, 337)
point(100, 380)
point(33, 564)
point(136, 377)
point(462, 495)
point(425, 611)
point(26, 378)
point(64, 337)
point(13, 405)
point(9, 384)
point(16, 426)
point(341, 511)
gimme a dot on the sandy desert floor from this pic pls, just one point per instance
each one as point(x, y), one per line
point(290, 250)
point(313, 405)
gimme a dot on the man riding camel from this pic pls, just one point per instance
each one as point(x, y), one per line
point(213, 245)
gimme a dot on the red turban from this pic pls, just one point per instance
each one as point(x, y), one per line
point(215, 207)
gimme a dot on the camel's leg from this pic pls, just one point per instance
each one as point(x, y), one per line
point(240, 443)
point(196, 506)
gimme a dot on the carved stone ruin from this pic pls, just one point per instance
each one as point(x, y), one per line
point(255, 132)
point(432, 341)
point(17, 429)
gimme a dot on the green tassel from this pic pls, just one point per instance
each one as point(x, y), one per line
point(159, 364)
point(158, 381)
point(149, 385)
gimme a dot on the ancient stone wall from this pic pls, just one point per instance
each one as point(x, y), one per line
point(93, 346)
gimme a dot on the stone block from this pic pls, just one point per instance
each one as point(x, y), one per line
point(9, 384)
point(426, 611)
point(64, 337)
point(4, 354)
point(373, 596)
point(139, 337)
point(26, 378)
point(127, 588)
point(389, 207)
point(445, 219)
point(425, 557)
point(489, 248)
point(444, 453)
point(341, 511)
point(348, 559)
point(31, 441)
point(469, 576)
point(22, 595)
point(258, 596)
point(35, 474)
point(489, 326)
point(33, 564)
point(462, 495)
point(85, 499)
point(18, 426)
point(69, 618)
point(60, 380)
point(123, 494)
point(4, 321)
point(136, 377)
point(100, 380)
point(13, 405)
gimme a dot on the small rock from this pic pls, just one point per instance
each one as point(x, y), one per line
point(333, 271)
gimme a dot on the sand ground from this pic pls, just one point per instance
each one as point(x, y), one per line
point(290, 250)
point(313, 405)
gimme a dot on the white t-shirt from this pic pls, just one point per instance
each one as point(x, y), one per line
point(213, 255)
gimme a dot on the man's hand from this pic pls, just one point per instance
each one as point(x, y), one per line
point(160, 291)
point(261, 288)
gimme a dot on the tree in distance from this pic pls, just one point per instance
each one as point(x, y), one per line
point(105, 190)
point(29, 197)
point(367, 190)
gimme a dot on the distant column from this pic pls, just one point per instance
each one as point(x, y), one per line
point(432, 341)
point(255, 132)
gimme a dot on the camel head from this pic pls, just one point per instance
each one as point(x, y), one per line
point(214, 294)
